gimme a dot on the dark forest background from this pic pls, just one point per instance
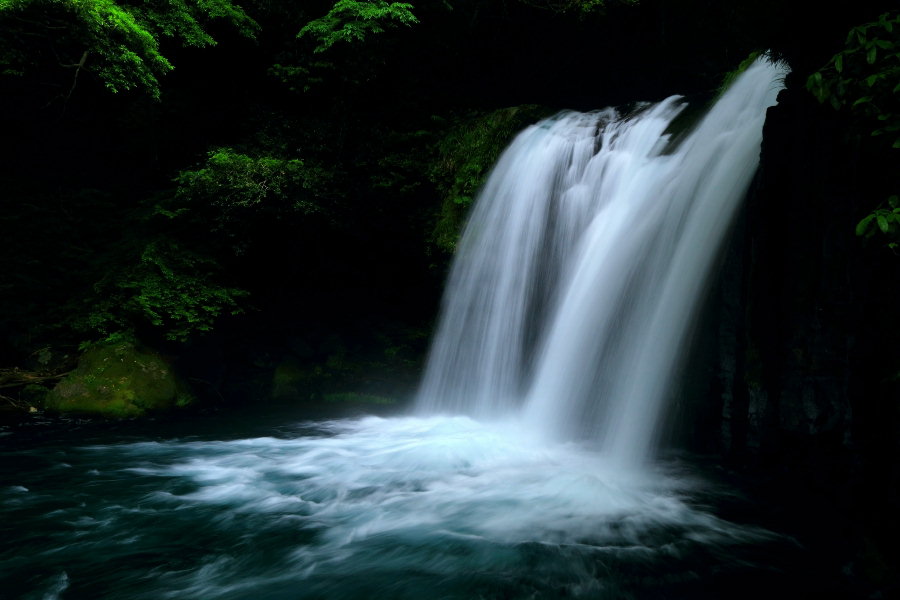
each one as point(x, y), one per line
point(267, 195)
point(231, 184)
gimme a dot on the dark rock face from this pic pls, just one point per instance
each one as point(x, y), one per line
point(798, 250)
point(804, 387)
point(804, 314)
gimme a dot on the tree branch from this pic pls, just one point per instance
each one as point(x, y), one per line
point(21, 378)
point(78, 67)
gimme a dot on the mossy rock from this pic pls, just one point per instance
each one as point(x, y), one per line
point(465, 155)
point(34, 395)
point(119, 380)
point(294, 380)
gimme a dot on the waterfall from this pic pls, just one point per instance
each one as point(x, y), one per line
point(578, 276)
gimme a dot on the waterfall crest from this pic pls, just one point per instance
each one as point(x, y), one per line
point(580, 271)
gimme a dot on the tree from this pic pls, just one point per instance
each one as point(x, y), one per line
point(351, 20)
point(116, 42)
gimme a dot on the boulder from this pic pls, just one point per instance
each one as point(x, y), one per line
point(119, 380)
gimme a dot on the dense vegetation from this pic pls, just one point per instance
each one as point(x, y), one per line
point(249, 184)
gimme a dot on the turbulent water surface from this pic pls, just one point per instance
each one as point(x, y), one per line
point(403, 507)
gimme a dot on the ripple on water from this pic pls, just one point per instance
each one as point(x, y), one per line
point(369, 508)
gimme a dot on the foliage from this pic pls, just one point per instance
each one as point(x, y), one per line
point(302, 78)
point(346, 47)
point(884, 220)
point(232, 181)
point(353, 20)
point(864, 77)
point(732, 75)
point(464, 157)
point(115, 41)
point(581, 7)
point(232, 189)
point(344, 190)
point(170, 287)
point(55, 246)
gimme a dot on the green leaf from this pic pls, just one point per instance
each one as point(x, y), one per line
point(839, 62)
point(883, 224)
point(350, 20)
point(863, 100)
point(863, 225)
point(870, 56)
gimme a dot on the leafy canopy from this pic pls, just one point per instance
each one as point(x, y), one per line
point(352, 21)
point(237, 186)
point(173, 282)
point(117, 41)
point(170, 288)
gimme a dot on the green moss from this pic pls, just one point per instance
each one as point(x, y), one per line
point(731, 76)
point(295, 381)
point(119, 380)
point(465, 156)
point(34, 395)
point(353, 397)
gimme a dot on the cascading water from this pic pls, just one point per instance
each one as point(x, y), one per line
point(567, 310)
point(579, 273)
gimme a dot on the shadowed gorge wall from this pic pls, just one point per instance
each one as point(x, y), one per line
point(801, 378)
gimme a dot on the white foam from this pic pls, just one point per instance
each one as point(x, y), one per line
point(585, 258)
point(422, 477)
